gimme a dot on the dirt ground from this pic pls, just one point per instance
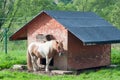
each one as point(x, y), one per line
point(23, 68)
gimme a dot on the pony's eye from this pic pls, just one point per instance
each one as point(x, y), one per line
point(56, 42)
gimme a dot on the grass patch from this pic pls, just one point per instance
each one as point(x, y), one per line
point(115, 56)
point(13, 57)
point(102, 74)
point(5, 75)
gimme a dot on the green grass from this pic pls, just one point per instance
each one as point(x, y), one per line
point(13, 57)
point(19, 57)
point(102, 74)
point(6, 75)
point(115, 56)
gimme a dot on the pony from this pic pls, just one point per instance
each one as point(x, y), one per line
point(45, 50)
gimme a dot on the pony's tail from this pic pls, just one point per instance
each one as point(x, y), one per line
point(29, 63)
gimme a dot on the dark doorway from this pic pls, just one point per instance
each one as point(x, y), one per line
point(43, 62)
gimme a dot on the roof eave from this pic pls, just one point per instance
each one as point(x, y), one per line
point(15, 39)
point(101, 42)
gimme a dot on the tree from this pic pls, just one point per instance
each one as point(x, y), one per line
point(83, 5)
point(5, 9)
point(112, 14)
point(8, 16)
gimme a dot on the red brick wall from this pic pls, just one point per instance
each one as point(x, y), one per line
point(46, 25)
point(82, 56)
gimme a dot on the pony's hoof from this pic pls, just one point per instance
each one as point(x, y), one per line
point(47, 70)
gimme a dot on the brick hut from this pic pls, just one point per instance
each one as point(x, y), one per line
point(86, 37)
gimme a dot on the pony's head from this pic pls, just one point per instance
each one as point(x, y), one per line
point(59, 47)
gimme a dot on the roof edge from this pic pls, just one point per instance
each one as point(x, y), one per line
point(102, 42)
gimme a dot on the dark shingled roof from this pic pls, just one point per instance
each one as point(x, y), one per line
point(86, 26)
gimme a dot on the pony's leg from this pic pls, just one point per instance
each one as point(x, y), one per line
point(29, 62)
point(47, 64)
point(39, 64)
point(50, 60)
point(34, 62)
